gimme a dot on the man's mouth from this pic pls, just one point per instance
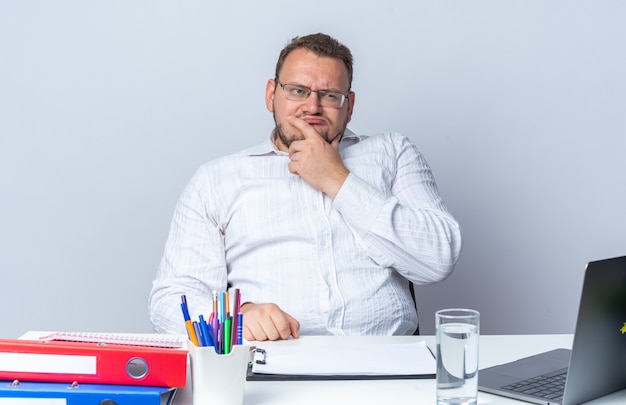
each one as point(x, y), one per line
point(314, 120)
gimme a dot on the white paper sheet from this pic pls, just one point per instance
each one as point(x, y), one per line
point(357, 359)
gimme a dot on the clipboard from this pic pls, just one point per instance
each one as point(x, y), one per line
point(252, 376)
point(345, 362)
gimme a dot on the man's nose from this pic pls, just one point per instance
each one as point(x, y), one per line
point(313, 102)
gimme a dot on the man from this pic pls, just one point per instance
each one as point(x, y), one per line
point(322, 230)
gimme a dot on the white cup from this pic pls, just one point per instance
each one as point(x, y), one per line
point(218, 379)
point(457, 356)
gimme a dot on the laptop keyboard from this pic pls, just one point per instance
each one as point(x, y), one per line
point(550, 386)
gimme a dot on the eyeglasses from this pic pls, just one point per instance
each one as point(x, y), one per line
point(327, 98)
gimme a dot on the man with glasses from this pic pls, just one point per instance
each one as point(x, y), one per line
point(322, 230)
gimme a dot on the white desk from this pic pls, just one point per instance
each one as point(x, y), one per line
point(493, 350)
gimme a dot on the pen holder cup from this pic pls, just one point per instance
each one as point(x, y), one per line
point(218, 379)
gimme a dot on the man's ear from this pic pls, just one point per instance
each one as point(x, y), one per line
point(270, 90)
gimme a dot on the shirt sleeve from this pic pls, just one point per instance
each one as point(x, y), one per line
point(192, 264)
point(407, 226)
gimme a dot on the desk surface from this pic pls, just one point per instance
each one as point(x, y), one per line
point(493, 350)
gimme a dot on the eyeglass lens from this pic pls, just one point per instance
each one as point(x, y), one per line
point(327, 98)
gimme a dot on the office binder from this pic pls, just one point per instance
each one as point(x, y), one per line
point(95, 363)
point(38, 393)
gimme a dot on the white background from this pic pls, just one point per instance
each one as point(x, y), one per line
point(107, 108)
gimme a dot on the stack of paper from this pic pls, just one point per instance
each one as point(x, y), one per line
point(356, 361)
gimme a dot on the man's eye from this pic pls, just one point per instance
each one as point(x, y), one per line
point(330, 96)
point(298, 91)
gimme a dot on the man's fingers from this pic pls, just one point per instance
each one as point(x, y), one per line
point(249, 333)
point(282, 324)
point(297, 122)
point(294, 326)
point(269, 322)
point(307, 130)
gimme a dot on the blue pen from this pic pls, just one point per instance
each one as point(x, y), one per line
point(192, 334)
point(239, 328)
point(222, 307)
point(198, 331)
point(211, 336)
point(208, 341)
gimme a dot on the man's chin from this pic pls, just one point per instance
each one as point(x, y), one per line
point(321, 130)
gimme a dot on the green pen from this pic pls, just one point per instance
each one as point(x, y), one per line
point(227, 334)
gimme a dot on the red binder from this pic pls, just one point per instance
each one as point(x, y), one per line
point(59, 361)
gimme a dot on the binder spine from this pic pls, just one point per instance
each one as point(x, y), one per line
point(93, 363)
point(33, 393)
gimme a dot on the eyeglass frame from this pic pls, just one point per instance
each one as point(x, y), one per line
point(309, 91)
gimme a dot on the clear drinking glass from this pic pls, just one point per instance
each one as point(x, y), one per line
point(457, 356)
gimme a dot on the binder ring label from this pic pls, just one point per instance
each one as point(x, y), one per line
point(137, 368)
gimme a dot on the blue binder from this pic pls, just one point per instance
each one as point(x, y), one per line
point(86, 394)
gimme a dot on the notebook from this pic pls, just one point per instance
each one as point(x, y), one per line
point(596, 364)
point(137, 339)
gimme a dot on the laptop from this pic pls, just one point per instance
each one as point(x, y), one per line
point(596, 364)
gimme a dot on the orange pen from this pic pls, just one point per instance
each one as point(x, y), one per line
point(191, 333)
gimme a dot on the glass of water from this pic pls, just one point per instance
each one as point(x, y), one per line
point(457, 356)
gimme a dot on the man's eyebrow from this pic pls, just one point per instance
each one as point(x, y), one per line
point(333, 89)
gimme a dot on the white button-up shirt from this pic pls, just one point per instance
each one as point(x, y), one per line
point(339, 267)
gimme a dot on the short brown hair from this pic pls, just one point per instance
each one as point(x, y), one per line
point(321, 45)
